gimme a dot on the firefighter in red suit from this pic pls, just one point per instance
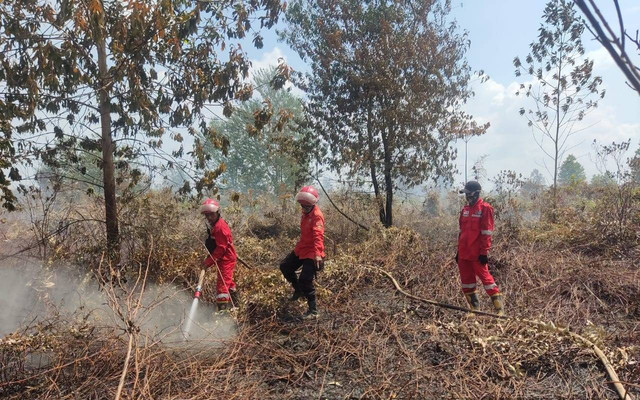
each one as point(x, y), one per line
point(474, 241)
point(222, 254)
point(308, 253)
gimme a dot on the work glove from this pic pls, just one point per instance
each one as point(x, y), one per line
point(319, 264)
point(483, 259)
point(207, 262)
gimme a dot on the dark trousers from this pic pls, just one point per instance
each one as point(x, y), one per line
point(304, 283)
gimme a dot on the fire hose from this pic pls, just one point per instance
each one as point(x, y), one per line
point(198, 291)
point(550, 326)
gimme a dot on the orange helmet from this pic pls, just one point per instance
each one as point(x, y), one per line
point(307, 196)
point(209, 206)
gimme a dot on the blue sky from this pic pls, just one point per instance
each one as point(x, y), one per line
point(500, 30)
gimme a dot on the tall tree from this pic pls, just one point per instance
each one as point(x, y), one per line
point(265, 160)
point(119, 77)
point(565, 88)
point(571, 171)
point(536, 178)
point(387, 82)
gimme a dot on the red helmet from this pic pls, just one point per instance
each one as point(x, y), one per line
point(307, 196)
point(209, 206)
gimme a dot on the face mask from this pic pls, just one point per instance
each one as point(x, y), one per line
point(472, 197)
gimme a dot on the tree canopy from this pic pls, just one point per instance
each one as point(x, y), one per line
point(121, 78)
point(275, 157)
point(571, 172)
point(387, 83)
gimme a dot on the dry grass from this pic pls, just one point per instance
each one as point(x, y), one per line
point(370, 342)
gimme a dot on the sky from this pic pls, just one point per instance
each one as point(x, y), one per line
point(500, 30)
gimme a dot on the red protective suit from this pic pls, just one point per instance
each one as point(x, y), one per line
point(311, 243)
point(224, 255)
point(476, 228)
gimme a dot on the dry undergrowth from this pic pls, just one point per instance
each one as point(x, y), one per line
point(369, 342)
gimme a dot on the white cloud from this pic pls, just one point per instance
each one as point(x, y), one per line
point(510, 144)
point(272, 59)
point(601, 59)
point(495, 91)
point(268, 59)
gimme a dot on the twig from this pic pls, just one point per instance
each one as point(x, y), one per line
point(126, 365)
point(338, 209)
point(622, 392)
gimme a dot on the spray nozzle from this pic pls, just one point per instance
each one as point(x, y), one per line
point(198, 291)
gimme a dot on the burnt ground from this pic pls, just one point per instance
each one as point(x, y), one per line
point(370, 342)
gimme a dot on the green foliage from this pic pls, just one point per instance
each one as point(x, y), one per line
point(271, 160)
point(571, 172)
point(386, 87)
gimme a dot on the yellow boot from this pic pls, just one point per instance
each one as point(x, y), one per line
point(498, 304)
point(472, 299)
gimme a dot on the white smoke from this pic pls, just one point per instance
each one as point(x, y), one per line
point(31, 292)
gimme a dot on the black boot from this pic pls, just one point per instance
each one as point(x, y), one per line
point(472, 299)
point(297, 294)
point(235, 297)
point(312, 313)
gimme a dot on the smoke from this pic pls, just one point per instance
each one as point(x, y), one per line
point(31, 292)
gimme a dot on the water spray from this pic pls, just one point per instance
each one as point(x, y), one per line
point(194, 306)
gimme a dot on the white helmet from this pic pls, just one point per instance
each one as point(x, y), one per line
point(209, 206)
point(307, 196)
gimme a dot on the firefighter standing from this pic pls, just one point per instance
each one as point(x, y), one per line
point(308, 253)
point(474, 241)
point(222, 254)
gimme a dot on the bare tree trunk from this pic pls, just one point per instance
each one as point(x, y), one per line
point(372, 165)
point(555, 166)
point(108, 168)
point(630, 71)
point(555, 142)
point(388, 180)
